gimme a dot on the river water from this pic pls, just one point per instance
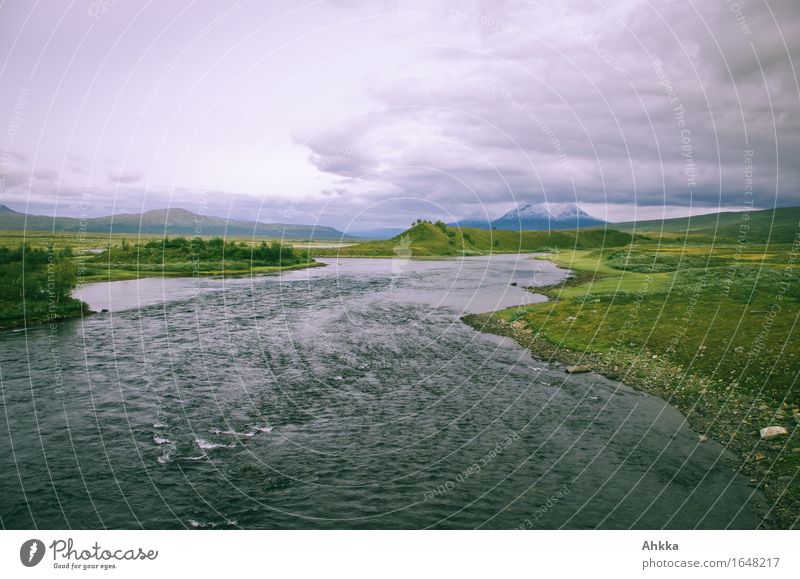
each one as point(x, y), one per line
point(349, 396)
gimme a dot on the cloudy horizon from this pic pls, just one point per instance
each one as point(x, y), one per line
point(365, 115)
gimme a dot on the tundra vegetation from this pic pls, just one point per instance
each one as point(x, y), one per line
point(710, 326)
point(37, 278)
point(35, 285)
point(180, 256)
point(700, 312)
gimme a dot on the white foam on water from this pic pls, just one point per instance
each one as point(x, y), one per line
point(262, 428)
point(204, 444)
point(198, 525)
point(158, 439)
point(232, 433)
point(168, 453)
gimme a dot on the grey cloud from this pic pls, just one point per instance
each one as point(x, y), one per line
point(13, 179)
point(558, 104)
point(45, 174)
point(408, 109)
point(126, 177)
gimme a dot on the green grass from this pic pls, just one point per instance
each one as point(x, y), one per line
point(179, 257)
point(35, 285)
point(123, 272)
point(90, 268)
point(80, 242)
point(768, 225)
point(694, 316)
point(39, 270)
point(712, 329)
point(438, 240)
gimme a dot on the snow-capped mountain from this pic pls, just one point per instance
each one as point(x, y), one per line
point(538, 217)
point(545, 216)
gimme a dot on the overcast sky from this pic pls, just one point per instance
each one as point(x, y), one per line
point(368, 114)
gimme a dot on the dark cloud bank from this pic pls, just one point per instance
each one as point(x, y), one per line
point(641, 104)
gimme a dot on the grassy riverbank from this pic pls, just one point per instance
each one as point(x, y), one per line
point(710, 328)
point(37, 278)
point(35, 286)
point(126, 272)
point(182, 257)
point(426, 239)
point(97, 242)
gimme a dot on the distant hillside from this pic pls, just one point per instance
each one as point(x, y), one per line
point(542, 217)
point(777, 225)
point(385, 233)
point(429, 239)
point(165, 221)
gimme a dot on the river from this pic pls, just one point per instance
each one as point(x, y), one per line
point(349, 396)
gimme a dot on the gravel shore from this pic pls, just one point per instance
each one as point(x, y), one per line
point(724, 414)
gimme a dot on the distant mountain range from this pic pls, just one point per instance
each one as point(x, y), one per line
point(778, 225)
point(385, 233)
point(528, 216)
point(166, 221)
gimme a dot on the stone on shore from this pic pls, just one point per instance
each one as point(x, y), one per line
point(771, 432)
point(577, 369)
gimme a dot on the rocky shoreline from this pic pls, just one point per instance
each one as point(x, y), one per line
point(724, 414)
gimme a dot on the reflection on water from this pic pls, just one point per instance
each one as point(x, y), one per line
point(349, 396)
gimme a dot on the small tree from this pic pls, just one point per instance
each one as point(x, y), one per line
point(64, 278)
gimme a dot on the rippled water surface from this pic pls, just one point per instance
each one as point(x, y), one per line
point(349, 396)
